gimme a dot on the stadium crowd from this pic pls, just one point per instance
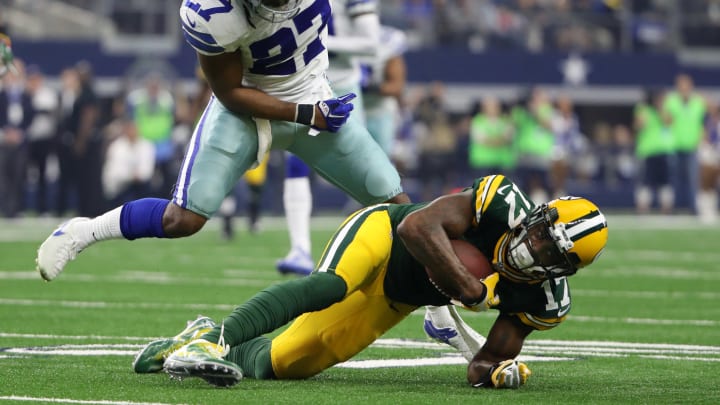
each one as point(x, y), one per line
point(65, 148)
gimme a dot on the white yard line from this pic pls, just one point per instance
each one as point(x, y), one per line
point(75, 401)
point(228, 307)
point(534, 350)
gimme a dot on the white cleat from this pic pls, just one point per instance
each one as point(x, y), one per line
point(296, 262)
point(58, 249)
point(445, 325)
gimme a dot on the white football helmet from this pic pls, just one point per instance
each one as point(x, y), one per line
point(555, 239)
point(274, 10)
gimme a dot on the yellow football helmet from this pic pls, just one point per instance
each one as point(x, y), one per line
point(555, 239)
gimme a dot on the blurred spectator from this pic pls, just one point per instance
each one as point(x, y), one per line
point(437, 142)
point(383, 87)
point(16, 114)
point(709, 157)
point(86, 146)
point(460, 22)
point(491, 140)
point(569, 142)
point(623, 152)
point(80, 146)
point(654, 151)
point(684, 111)
point(417, 16)
point(129, 166)
point(69, 167)
point(602, 145)
point(152, 107)
point(534, 141)
point(42, 133)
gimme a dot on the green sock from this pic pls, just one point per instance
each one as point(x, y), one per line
point(277, 305)
point(253, 357)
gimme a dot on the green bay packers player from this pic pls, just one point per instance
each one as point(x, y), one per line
point(384, 262)
point(265, 61)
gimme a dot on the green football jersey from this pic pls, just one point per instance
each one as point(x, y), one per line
point(499, 205)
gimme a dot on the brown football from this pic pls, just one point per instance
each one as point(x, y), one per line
point(472, 258)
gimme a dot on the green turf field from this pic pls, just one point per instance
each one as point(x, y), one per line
point(644, 328)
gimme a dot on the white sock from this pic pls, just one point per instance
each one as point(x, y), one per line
point(103, 227)
point(643, 198)
point(707, 206)
point(227, 207)
point(666, 195)
point(297, 200)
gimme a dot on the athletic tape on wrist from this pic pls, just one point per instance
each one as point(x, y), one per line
point(305, 114)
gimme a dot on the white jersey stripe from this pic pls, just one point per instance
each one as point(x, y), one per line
point(340, 238)
point(578, 228)
point(483, 197)
point(180, 197)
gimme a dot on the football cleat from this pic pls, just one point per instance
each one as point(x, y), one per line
point(444, 324)
point(151, 358)
point(58, 249)
point(296, 262)
point(203, 359)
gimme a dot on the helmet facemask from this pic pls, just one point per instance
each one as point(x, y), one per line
point(274, 11)
point(538, 248)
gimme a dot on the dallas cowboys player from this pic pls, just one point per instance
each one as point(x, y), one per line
point(354, 31)
point(383, 86)
point(265, 61)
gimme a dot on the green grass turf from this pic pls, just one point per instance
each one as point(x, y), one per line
point(657, 283)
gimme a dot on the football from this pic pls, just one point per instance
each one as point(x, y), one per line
point(472, 258)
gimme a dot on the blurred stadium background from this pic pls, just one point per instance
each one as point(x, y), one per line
point(600, 56)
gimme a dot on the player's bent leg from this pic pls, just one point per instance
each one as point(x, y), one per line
point(179, 222)
point(316, 341)
point(352, 161)
point(144, 218)
point(297, 201)
point(253, 357)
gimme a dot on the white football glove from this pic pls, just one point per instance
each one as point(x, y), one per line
point(509, 374)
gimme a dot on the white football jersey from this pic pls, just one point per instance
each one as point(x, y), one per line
point(344, 70)
point(287, 59)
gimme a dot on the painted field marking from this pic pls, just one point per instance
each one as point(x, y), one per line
point(533, 350)
point(225, 307)
point(75, 401)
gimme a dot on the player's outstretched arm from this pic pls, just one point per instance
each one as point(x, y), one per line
point(224, 74)
point(494, 366)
